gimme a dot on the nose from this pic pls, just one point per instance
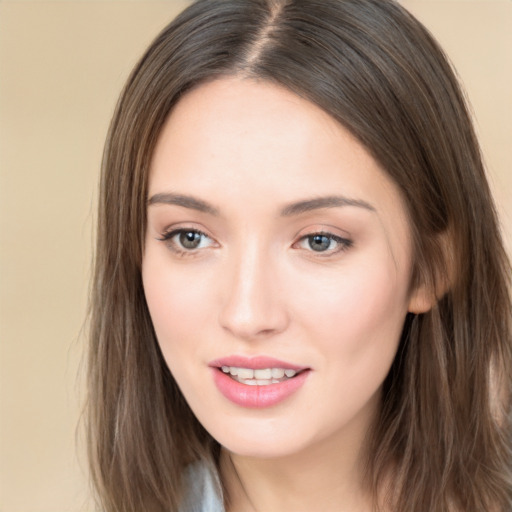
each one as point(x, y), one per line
point(253, 306)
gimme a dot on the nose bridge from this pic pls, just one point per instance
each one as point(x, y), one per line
point(252, 306)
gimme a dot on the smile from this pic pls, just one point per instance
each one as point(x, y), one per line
point(260, 377)
point(257, 382)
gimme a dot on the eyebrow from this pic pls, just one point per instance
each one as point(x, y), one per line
point(289, 210)
point(185, 201)
point(324, 202)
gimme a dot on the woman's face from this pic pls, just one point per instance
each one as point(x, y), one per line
point(275, 244)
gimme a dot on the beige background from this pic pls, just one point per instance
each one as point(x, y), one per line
point(62, 65)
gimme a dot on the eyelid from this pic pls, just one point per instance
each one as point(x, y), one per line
point(169, 233)
point(166, 231)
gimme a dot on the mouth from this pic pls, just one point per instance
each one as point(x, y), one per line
point(257, 382)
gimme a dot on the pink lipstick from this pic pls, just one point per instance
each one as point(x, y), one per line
point(257, 382)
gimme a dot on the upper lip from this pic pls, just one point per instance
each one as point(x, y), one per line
point(255, 363)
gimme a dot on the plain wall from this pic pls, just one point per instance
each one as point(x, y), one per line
point(62, 65)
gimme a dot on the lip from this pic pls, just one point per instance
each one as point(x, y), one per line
point(257, 397)
point(255, 363)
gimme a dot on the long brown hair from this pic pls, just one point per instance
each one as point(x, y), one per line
point(443, 436)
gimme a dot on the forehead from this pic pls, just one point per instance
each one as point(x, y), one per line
point(246, 130)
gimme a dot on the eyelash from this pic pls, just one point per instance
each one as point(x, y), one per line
point(344, 243)
point(181, 251)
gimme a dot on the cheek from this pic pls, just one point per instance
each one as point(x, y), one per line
point(178, 304)
point(362, 297)
point(354, 322)
point(356, 319)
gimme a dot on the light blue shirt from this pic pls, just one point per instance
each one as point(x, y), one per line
point(203, 492)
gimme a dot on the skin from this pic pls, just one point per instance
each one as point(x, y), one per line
point(256, 286)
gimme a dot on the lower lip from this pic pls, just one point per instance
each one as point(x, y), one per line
point(257, 397)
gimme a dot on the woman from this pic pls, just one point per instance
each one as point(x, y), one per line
point(301, 296)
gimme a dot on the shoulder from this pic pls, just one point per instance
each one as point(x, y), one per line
point(202, 489)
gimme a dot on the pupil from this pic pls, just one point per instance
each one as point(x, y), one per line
point(190, 240)
point(319, 242)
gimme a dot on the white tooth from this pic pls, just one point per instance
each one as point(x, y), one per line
point(233, 370)
point(263, 382)
point(225, 369)
point(251, 382)
point(263, 374)
point(277, 373)
point(245, 373)
point(290, 373)
point(275, 381)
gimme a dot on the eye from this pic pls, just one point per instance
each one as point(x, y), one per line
point(187, 240)
point(324, 243)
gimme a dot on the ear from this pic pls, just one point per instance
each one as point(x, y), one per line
point(427, 294)
point(422, 300)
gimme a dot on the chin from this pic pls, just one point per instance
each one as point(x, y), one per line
point(260, 439)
